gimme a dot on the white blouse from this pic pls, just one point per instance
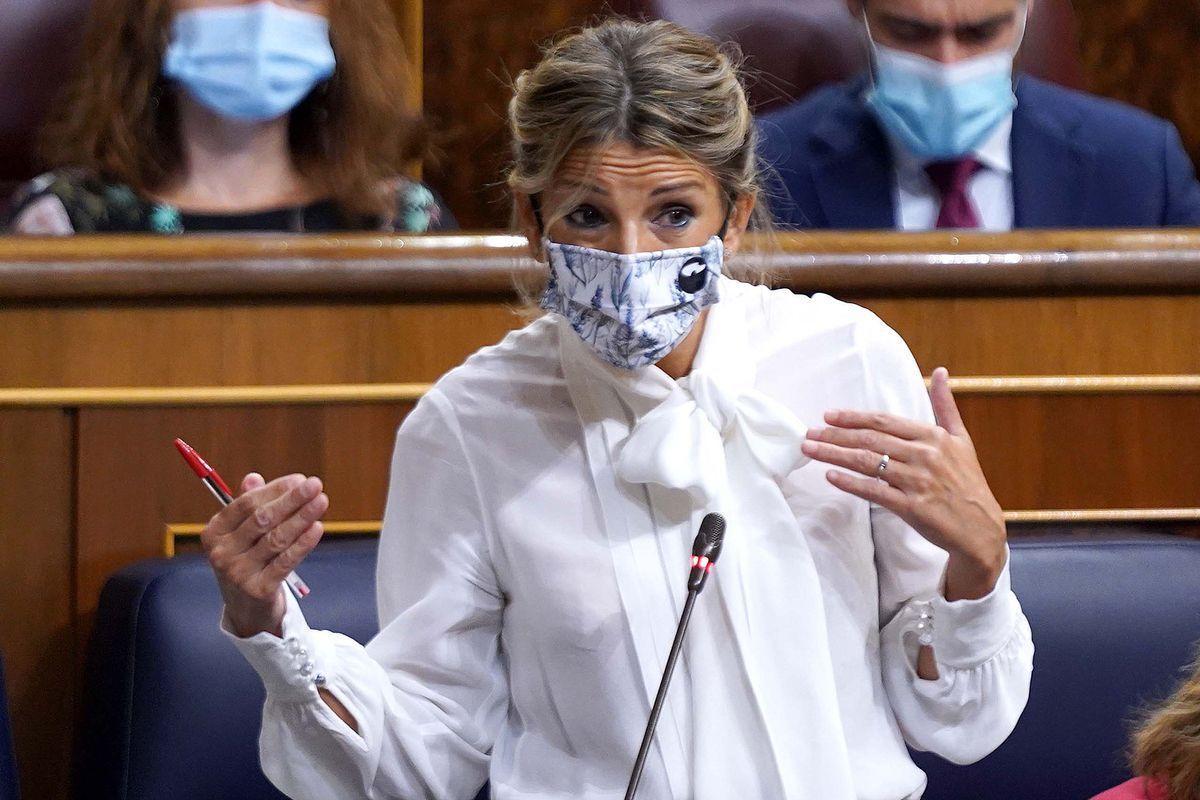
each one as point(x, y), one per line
point(532, 569)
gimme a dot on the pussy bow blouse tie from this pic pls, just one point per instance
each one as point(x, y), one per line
point(715, 435)
point(730, 446)
point(681, 443)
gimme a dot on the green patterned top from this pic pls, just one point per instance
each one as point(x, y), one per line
point(73, 201)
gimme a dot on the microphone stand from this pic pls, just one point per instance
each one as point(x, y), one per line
point(652, 723)
point(705, 549)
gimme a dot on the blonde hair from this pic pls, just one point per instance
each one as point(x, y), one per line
point(1166, 747)
point(649, 84)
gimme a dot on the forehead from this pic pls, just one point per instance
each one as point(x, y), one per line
point(944, 12)
point(624, 165)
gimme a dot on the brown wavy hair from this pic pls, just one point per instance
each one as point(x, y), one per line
point(351, 136)
point(1166, 747)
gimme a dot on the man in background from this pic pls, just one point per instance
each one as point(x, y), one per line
point(942, 134)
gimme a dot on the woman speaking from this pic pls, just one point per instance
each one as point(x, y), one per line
point(544, 496)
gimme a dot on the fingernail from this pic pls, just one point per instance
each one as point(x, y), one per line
point(311, 488)
point(814, 433)
point(807, 447)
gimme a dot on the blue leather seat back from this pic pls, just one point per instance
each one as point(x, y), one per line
point(1114, 621)
point(174, 711)
point(8, 762)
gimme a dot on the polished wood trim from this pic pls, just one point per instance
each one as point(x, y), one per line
point(176, 531)
point(1103, 515)
point(134, 397)
point(490, 265)
point(1077, 384)
point(192, 530)
point(239, 267)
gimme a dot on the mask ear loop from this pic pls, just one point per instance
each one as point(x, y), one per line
point(872, 52)
point(1016, 52)
point(535, 202)
point(729, 206)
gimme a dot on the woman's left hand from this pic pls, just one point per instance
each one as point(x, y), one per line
point(932, 480)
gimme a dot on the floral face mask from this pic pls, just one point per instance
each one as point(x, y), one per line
point(632, 309)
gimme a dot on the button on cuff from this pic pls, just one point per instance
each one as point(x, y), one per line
point(291, 668)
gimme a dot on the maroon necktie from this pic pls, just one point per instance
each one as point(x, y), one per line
point(951, 179)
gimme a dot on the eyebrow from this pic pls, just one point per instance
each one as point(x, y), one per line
point(587, 187)
point(998, 19)
point(677, 186)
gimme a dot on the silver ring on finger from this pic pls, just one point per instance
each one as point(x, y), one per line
point(881, 470)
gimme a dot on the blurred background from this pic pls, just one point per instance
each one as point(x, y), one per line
point(1141, 52)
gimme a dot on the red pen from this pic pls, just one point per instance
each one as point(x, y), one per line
point(220, 490)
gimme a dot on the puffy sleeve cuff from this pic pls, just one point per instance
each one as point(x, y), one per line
point(966, 633)
point(984, 655)
point(291, 668)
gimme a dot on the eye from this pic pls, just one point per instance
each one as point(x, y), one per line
point(909, 33)
point(586, 216)
point(675, 217)
point(980, 34)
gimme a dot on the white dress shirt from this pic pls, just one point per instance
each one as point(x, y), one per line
point(917, 202)
point(532, 568)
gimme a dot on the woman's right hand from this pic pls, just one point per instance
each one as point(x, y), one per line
point(255, 541)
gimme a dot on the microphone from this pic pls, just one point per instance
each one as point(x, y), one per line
point(705, 549)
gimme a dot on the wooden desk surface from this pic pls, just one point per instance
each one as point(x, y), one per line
point(282, 310)
point(456, 266)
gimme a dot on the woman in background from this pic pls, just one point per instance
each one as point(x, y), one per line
point(207, 115)
point(1166, 750)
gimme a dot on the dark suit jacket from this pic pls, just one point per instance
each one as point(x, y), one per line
point(1079, 161)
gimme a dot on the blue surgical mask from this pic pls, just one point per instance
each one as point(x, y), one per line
point(632, 309)
point(941, 111)
point(249, 62)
